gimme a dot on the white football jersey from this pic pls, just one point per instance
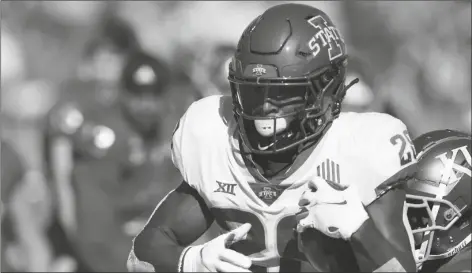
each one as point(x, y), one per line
point(361, 149)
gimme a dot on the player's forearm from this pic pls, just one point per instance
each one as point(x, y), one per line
point(159, 248)
point(179, 219)
point(374, 253)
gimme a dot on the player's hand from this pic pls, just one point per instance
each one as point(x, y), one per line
point(335, 213)
point(217, 257)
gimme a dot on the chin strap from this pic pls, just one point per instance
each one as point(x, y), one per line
point(352, 83)
point(340, 97)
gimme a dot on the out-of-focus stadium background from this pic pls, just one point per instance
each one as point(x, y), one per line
point(413, 59)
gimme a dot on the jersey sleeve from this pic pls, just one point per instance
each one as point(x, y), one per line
point(65, 119)
point(388, 153)
point(178, 144)
point(176, 147)
point(193, 136)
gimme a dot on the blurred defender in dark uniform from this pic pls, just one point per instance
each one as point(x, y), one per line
point(96, 82)
point(110, 166)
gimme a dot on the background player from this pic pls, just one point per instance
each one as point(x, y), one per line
point(279, 130)
point(439, 201)
point(110, 165)
point(94, 85)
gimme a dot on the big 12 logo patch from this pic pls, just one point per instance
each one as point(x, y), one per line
point(325, 36)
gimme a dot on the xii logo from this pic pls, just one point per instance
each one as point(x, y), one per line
point(451, 168)
point(225, 188)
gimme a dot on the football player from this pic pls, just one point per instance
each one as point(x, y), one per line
point(246, 160)
point(110, 166)
point(105, 54)
point(438, 205)
point(96, 84)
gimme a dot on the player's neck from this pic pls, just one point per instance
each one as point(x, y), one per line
point(275, 168)
point(273, 165)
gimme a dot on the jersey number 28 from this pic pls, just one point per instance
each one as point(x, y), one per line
point(404, 140)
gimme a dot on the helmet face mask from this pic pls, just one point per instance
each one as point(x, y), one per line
point(293, 113)
point(438, 200)
point(430, 219)
point(286, 94)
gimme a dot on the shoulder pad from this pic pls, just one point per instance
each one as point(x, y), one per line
point(369, 123)
point(94, 140)
point(103, 137)
point(66, 119)
point(198, 128)
point(204, 115)
point(383, 147)
point(89, 137)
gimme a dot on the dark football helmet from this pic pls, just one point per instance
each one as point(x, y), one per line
point(106, 53)
point(287, 78)
point(438, 205)
point(144, 81)
point(115, 34)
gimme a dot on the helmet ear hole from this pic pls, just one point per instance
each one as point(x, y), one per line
point(326, 77)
